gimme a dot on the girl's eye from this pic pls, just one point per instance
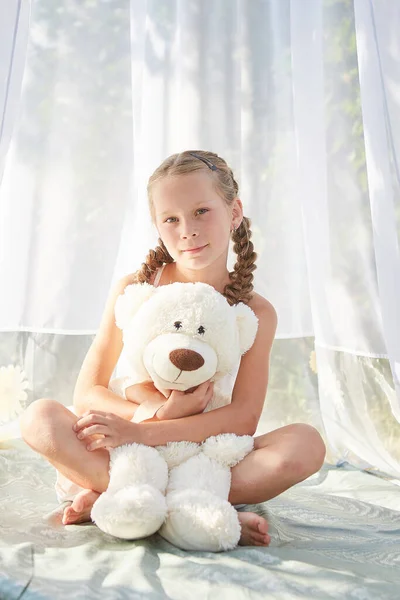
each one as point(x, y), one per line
point(199, 209)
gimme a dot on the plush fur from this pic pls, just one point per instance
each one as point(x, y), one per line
point(178, 336)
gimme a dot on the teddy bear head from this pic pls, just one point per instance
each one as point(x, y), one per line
point(182, 334)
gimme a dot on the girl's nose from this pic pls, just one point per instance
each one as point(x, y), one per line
point(188, 231)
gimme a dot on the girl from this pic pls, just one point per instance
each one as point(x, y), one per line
point(194, 204)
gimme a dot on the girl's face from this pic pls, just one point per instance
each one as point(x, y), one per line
point(189, 214)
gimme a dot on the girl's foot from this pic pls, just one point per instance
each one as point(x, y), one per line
point(80, 509)
point(254, 527)
point(254, 530)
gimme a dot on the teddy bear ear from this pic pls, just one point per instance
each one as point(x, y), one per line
point(130, 301)
point(247, 324)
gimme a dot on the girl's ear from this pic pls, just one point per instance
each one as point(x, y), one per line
point(130, 301)
point(247, 324)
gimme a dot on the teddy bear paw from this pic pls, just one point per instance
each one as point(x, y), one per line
point(228, 448)
point(131, 513)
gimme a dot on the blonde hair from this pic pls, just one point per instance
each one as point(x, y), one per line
point(241, 278)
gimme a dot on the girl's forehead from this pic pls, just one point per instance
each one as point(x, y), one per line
point(191, 186)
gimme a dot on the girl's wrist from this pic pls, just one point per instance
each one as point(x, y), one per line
point(138, 433)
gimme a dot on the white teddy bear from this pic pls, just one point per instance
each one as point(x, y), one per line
point(178, 336)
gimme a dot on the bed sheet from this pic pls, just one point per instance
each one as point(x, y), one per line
point(336, 535)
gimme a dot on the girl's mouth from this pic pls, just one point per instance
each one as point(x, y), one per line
point(193, 250)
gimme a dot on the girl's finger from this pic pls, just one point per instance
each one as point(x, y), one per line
point(93, 429)
point(92, 419)
point(100, 443)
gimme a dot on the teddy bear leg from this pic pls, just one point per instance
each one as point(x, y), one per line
point(200, 521)
point(133, 506)
point(199, 514)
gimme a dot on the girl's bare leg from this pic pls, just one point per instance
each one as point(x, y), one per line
point(281, 459)
point(46, 426)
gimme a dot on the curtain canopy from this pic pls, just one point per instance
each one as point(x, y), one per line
point(302, 102)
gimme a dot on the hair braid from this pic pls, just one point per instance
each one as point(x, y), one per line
point(154, 259)
point(241, 286)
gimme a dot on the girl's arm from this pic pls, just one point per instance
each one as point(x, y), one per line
point(117, 431)
point(101, 398)
point(228, 419)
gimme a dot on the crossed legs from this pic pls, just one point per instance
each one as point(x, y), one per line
point(280, 459)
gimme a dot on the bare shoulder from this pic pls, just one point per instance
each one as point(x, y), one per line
point(131, 278)
point(264, 310)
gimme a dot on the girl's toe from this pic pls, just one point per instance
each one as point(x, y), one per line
point(262, 527)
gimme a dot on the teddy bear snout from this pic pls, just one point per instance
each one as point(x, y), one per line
point(186, 360)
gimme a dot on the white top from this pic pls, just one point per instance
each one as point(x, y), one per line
point(158, 275)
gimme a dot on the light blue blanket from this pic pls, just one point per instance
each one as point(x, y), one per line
point(337, 535)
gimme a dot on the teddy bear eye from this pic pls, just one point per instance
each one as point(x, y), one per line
point(201, 329)
point(178, 324)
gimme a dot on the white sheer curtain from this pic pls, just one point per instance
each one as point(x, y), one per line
point(302, 98)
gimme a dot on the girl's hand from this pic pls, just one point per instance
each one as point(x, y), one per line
point(114, 430)
point(186, 404)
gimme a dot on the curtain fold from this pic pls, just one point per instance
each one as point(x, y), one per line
point(303, 104)
point(14, 31)
point(377, 77)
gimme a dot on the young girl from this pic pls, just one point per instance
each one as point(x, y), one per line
point(194, 204)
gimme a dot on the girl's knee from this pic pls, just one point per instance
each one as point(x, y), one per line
point(313, 449)
point(38, 418)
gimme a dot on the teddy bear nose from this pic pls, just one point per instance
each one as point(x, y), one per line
point(186, 360)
